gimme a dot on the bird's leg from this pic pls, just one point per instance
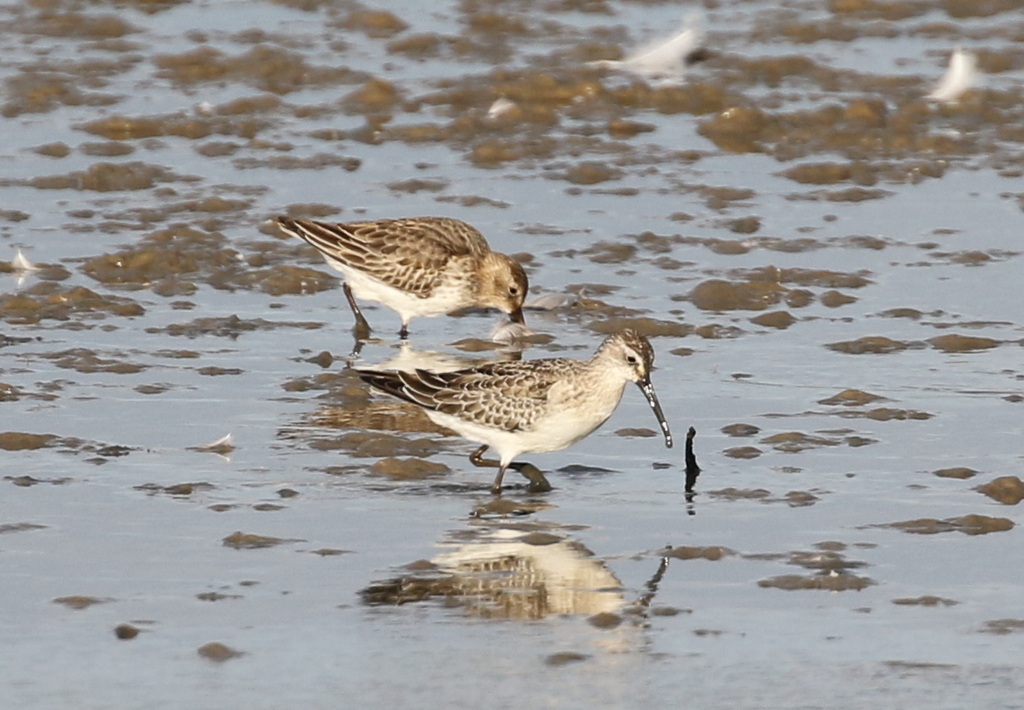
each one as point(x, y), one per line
point(361, 329)
point(476, 460)
point(496, 486)
point(538, 483)
point(404, 332)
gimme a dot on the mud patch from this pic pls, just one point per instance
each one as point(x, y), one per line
point(106, 177)
point(19, 527)
point(794, 499)
point(872, 344)
point(26, 481)
point(80, 602)
point(126, 632)
point(1002, 627)
point(218, 652)
point(248, 541)
point(171, 261)
point(1008, 490)
point(793, 442)
point(780, 320)
point(228, 327)
point(851, 398)
point(408, 469)
point(636, 432)
point(380, 445)
point(958, 472)
point(713, 553)
point(967, 524)
point(87, 361)
point(177, 489)
point(564, 658)
point(840, 582)
point(21, 441)
point(927, 600)
point(743, 452)
point(649, 327)
point(330, 552)
point(51, 301)
point(264, 67)
point(962, 343)
point(740, 430)
point(885, 414)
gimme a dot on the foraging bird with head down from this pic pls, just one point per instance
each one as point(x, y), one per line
point(532, 406)
point(416, 266)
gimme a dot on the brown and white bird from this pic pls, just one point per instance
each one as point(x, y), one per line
point(416, 266)
point(531, 406)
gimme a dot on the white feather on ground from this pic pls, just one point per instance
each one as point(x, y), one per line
point(961, 76)
point(21, 264)
point(221, 446)
point(501, 107)
point(663, 60)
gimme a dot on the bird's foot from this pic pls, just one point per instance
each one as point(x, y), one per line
point(538, 483)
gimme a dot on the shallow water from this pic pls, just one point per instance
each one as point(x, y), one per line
point(827, 265)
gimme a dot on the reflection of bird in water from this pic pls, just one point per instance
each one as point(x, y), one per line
point(531, 406)
point(409, 359)
point(418, 266)
point(511, 574)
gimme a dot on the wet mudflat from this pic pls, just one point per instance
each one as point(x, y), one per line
point(826, 262)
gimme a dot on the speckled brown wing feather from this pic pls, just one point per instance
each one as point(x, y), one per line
point(410, 254)
point(509, 396)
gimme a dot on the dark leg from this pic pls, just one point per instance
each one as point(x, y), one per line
point(361, 329)
point(538, 483)
point(404, 332)
point(496, 486)
point(476, 460)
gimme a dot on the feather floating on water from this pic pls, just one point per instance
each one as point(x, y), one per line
point(664, 60)
point(961, 76)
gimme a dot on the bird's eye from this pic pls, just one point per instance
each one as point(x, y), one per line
point(631, 359)
point(513, 290)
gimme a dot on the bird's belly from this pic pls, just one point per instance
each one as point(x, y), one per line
point(368, 288)
point(556, 432)
point(549, 434)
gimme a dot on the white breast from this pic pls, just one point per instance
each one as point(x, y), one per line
point(408, 305)
point(560, 427)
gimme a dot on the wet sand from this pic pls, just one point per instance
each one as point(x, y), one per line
point(825, 260)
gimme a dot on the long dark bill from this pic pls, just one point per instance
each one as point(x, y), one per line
point(652, 399)
point(516, 316)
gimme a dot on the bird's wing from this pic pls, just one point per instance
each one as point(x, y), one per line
point(509, 396)
point(410, 254)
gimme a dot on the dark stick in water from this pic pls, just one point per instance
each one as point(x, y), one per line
point(692, 469)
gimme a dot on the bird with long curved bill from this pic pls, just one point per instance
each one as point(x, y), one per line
point(531, 406)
